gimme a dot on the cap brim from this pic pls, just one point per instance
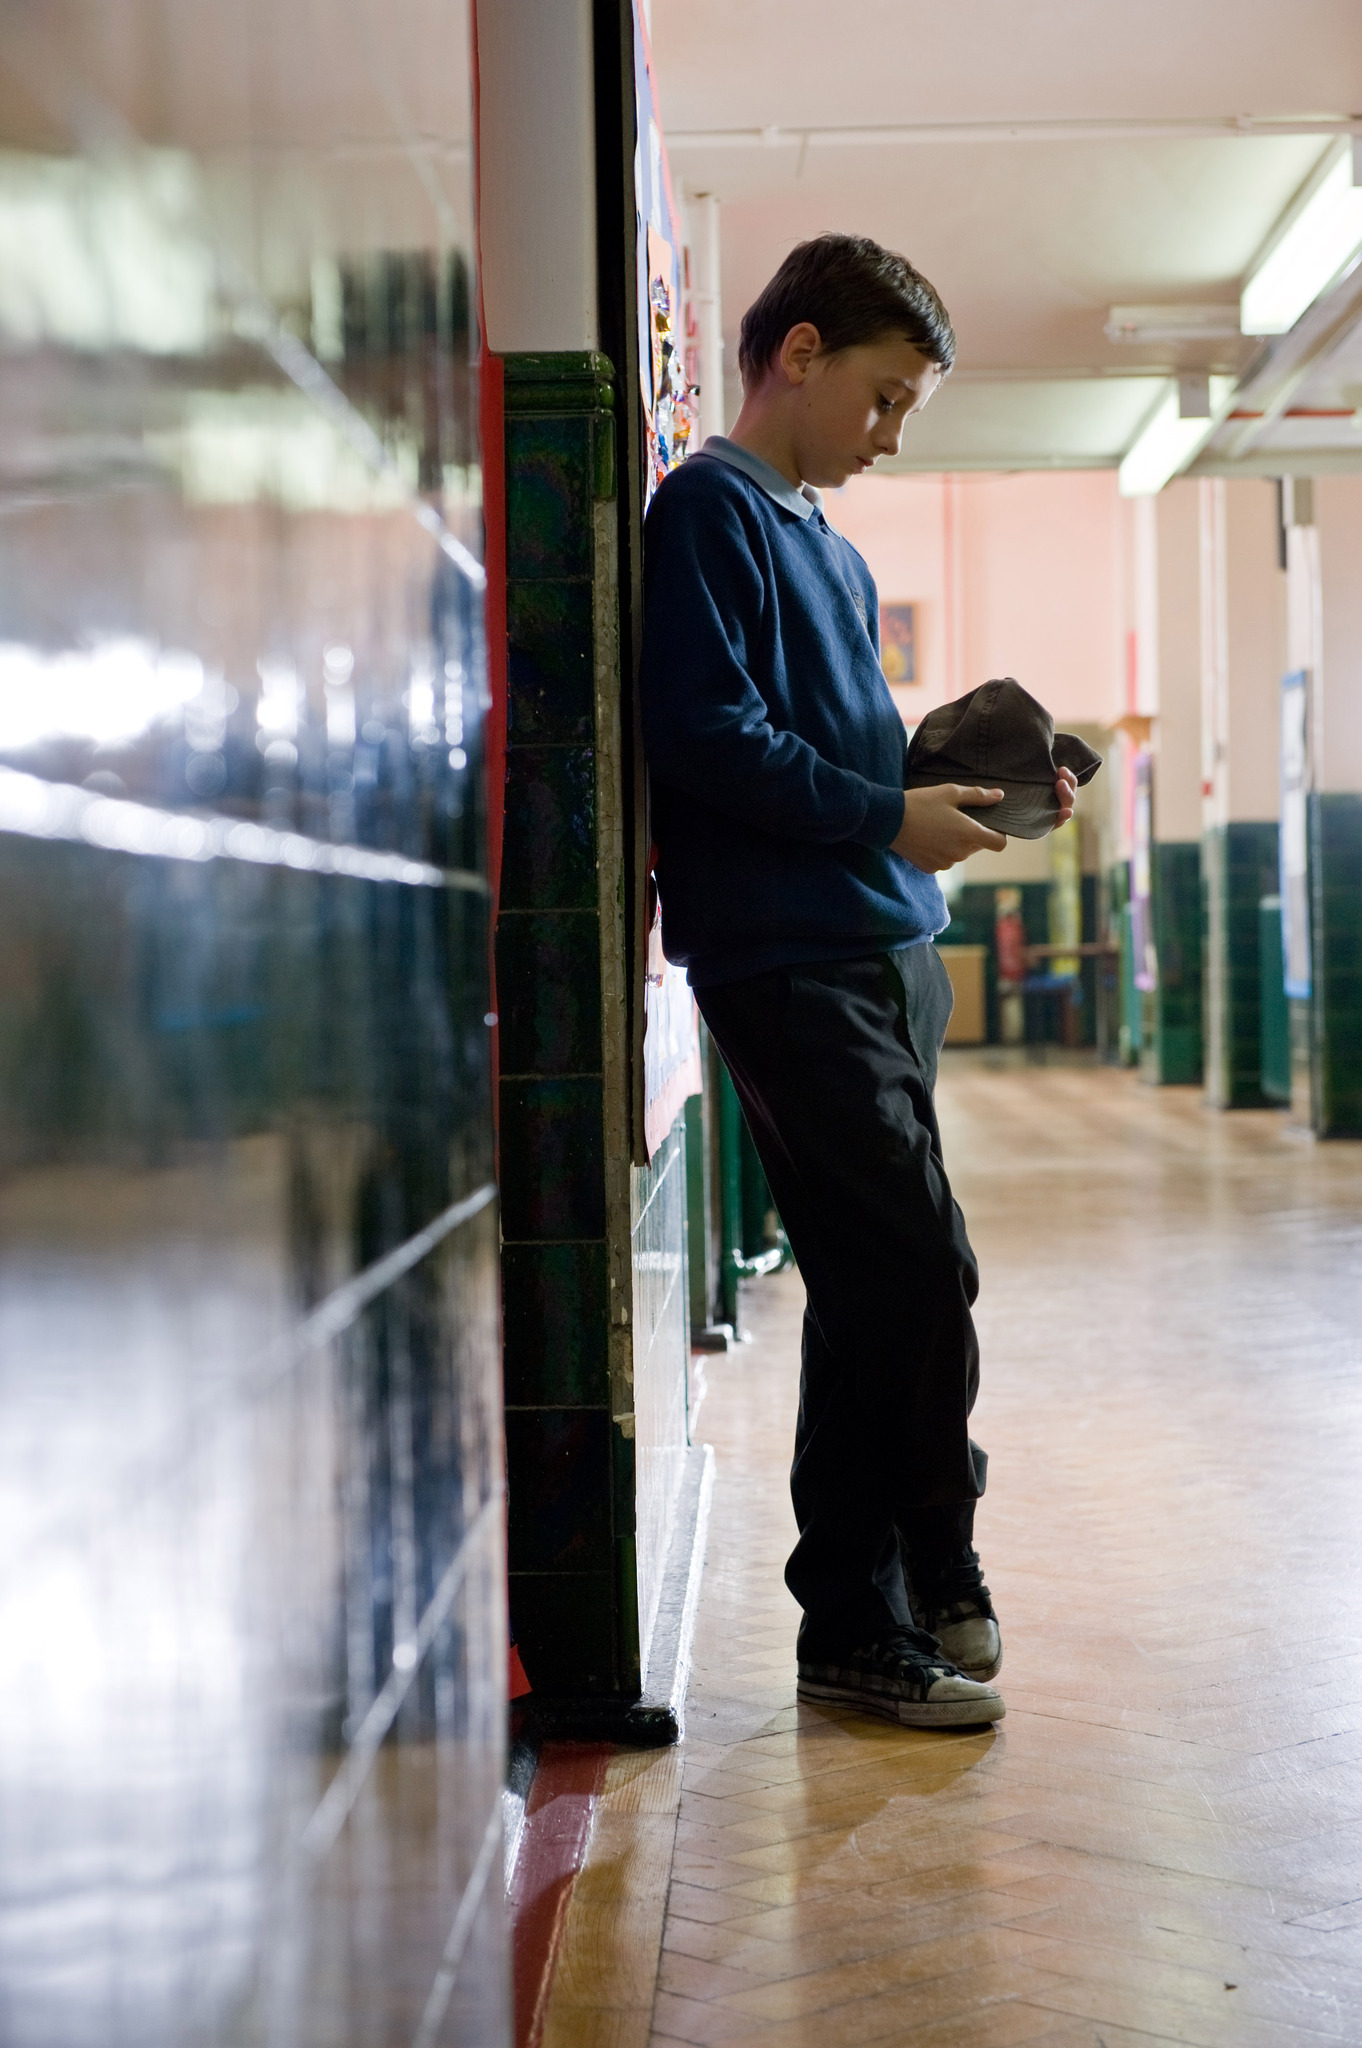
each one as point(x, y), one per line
point(1028, 810)
point(1075, 754)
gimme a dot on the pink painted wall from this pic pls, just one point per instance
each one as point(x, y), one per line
point(1012, 575)
point(902, 526)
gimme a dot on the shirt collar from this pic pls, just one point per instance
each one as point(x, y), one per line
point(802, 503)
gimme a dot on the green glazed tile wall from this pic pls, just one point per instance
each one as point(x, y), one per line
point(549, 494)
point(1335, 823)
point(552, 1158)
point(1275, 1006)
point(595, 1393)
point(554, 1324)
point(551, 651)
point(1239, 866)
point(553, 962)
point(1171, 1051)
point(567, 1535)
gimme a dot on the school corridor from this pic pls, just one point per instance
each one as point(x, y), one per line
point(399, 1313)
point(1162, 1842)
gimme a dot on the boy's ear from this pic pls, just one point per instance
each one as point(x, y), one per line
point(798, 350)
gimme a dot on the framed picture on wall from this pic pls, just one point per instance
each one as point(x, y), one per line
point(898, 644)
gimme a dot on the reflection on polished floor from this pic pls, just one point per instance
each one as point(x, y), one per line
point(1163, 1840)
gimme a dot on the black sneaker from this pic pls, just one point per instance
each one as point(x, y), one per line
point(952, 1603)
point(900, 1682)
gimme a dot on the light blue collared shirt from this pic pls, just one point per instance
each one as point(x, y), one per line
point(803, 503)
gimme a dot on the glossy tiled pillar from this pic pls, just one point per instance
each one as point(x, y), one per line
point(593, 1245)
point(1323, 537)
point(252, 1600)
point(1243, 601)
point(1173, 1051)
point(1239, 867)
point(1335, 1007)
point(1172, 1046)
point(569, 1470)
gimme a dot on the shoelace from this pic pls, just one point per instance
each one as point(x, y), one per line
point(900, 1655)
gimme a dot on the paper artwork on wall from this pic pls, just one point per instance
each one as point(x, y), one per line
point(898, 643)
point(1141, 874)
point(669, 404)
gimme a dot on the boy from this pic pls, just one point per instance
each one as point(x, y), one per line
point(797, 885)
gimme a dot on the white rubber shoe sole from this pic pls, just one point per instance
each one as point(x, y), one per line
point(951, 1702)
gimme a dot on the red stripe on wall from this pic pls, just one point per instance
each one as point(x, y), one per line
point(558, 1817)
point(491, 426)
point(492, 436)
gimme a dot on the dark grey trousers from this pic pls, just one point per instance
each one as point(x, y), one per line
point(835, 1066)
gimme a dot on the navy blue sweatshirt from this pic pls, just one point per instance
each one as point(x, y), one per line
point(776, 751)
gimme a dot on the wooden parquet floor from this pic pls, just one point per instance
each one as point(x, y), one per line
point(1163, 1840)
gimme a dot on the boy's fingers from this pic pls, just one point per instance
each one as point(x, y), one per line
point(994, 842)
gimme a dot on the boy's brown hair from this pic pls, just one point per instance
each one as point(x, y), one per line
point(853, 292)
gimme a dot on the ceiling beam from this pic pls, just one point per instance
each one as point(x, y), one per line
point(1154, 129)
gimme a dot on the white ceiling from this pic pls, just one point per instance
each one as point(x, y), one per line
point(1029, 240)
point(1023, 423)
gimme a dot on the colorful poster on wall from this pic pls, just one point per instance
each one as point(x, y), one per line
point(898, 643)
point(1009, 940)
point(1295, 866)
point(669, 406)
point(1141, 917)
point(1009, 936)
point(671, 1043)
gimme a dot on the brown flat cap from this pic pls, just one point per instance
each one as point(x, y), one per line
point(1001, 738)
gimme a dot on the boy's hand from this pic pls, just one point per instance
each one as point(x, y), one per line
point(1066, 789)
point(935, 832)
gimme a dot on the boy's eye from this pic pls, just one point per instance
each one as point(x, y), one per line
point(887, 404)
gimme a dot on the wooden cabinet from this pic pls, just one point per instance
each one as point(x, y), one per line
point(967, 966)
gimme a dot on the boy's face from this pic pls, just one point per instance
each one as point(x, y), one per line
point(848, 409)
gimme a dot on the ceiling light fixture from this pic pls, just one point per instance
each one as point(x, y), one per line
point(1319, 238)
point(1172, 323)
point(1179, 426)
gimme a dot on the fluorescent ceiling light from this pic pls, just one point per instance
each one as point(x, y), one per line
point(105, 255)
point(258, 445)
point(1172, 323)
point(1180, 424)
point(1318, 240)
point(111, 692)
